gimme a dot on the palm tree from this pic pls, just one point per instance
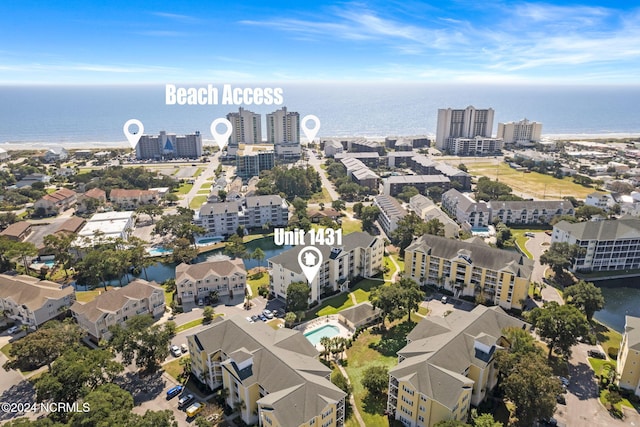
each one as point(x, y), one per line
point(325, 342)
point(258, 255)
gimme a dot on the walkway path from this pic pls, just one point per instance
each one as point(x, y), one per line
point(537, 245)
point(352, 402)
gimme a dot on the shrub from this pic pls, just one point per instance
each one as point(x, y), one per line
point(613, 352)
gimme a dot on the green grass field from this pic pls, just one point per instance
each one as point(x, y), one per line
point(255, 284)
point(533, 184)
point(86, 296)
point(197, 201)
point(198, 172)
point(184, 188)
point(321, 197)
point(351, 225)
point(341, 301)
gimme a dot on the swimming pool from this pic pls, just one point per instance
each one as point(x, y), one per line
point(209, 240)
point(329, 331)
point(159, 251)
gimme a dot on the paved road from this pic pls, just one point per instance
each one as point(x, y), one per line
point(316, 162)
point(208, 172)
point(537, 246)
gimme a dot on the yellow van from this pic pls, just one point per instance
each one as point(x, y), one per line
point(195, 409)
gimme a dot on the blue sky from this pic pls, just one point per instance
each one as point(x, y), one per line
point(222, 42)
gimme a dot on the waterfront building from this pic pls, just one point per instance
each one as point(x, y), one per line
point(251, 162)
point(457, 125)
point(360, 255)
point(224, 278)
point(427, 210)
point(469, 213)
point(628, 367)
point(283, 131)
point(118, 305)
point(610, 245)
point(391, 212)
point(470, 269)
point(363, 145)
point(529, 211)
point(476, 146)
point(106, 226)
point(448, 365)
point(169, 146)
point(422, 165)
point(4, 155)
point(246, 127)
point(56, 153)
point(394, 185)
point(273, 376)
point(32, 301)
point(522, 133)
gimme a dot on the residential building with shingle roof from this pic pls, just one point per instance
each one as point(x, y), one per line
point(628, 367)
point(131, 199)
point(18, 231)
point(273, 376)
point(427, 210)
point(33, 301)
point(118, 305)
point(608, 244)
point(391, 212)
point(469, 213)
point(395, 185)
point(529, 211)
point(447, 365)
point(224, 277)
point(470, 269)
point(56, 202)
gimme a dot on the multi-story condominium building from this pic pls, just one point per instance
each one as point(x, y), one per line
point(169, 146)
point(468, 123)
point(223, 219)
point(369, 158)
point(600, 200)
point(32, 301)
point(365, 146)
point(332, 147)
point(392, 142)
point(469, 213)
point(273, 376)
point(399, 159)
point(422, 165)
point(94, 196)
point(608, 244)
point(427, 210)
point(246, 127)
point(283, 127)
point(529, 211)
point(106, 226)
point(360, 173)
point(56, 202)
point(523, 133)
point(225, 278)
point(249, 164)
point(628, 368)
point(476, 146)
point(471, 269)
point(390, 212)
point(359, 255)
point(118, 305)
point(131, 199)
point(394, 185)
point(447, 366)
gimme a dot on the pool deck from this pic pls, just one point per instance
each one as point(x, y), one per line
point(314, 324)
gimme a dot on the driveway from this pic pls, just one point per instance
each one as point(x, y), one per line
point(537, 245)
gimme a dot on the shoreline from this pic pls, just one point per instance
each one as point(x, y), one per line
point(97, 145)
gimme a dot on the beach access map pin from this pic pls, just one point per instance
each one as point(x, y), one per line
point(133, 138)
point(310, 133)
point(310, 259)
point(221, 138)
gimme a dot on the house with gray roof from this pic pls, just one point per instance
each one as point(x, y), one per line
point(226, 278)
point(469, 213)
point(427, 210)
point(391, 212)
point(273, 376)
point(609, 245)
point(448, 365)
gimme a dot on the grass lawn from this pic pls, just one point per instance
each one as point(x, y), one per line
point(205, 186)
point(189, 325)
point(275, 323)
point(168, 297)
point(339, 302)
point(392, 268)
point(5, 350)
point(351, 225)
point(184, 188)
point(197, 201)
point(86, 296)
point(372, 349)
point(255, 284)
point(534, 184)
point(520, 240)
point(321, 197)
point(607, 337)
point(173, 368)
point(423, 311)
point(252, 236)
point(203, 192)
point(198, 172)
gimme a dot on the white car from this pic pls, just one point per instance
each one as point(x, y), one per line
point(12, 330)
point(175, 350)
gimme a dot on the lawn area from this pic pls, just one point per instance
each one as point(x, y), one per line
point(205, 186)
point(198, 172)
point(6, 349)
point(203, 192)
point(189, 325)
point(607, 337)
point(173, 368)
point(197, 201)
point(255, 284)
point(168, 297)
point(372, 349)
point(339, 302)
point(533, 184)
point(252, 236)
point(520, 240)
point(392, 268)
point(86, 296)
point(184, 188)
point(351, 225)
point(275, 323)
point(321, 197)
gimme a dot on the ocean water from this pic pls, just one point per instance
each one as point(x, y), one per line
point(84, 115)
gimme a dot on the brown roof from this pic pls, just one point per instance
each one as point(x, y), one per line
point(96, 193)
point(328, 212)
point(31, 292)
point(72, 225)
point(59, 195)
point(222, 268)
point(120, 192)
point(16, 229)
point(113, 300)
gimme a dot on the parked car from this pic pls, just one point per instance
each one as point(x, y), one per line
point(444, 299)
point(184, 348)
point(250, 320)
point(268, 314)
point(174, 391)
point(596, 354)
point(255, 318)
point(262, 317)
point(529, 234)
point(564, 381)
point(561, 400)
point(200, 302)
point(184, 400)
point(195, 409)
point(175, 350)
point(12, 330)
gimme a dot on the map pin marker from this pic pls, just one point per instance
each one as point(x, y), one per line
point(310, 133)
point(221, 138)
point(133, 138)
point(310, 259)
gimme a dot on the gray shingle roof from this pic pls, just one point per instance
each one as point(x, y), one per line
point(632, 329)
point(623, 228)
point(222, 268)
point(31, 292)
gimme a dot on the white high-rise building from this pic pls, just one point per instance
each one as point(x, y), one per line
point(522, 132)
point(467, 123)
point(169, 146)
point(283, 127)
point(246, 127)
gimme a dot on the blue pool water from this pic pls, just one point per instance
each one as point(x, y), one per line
point(159, 251)
point(479, 230)
point(316, 335)
point(50, 263)
point(209, 240)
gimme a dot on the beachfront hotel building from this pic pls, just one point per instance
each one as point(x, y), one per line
point(360, 255)
point(169, 146)
point(246, 127)
point(628, 367)
point(447, 366)
point(470, 269)
point(466, 132)
point(273, 376)
point(610, 245)
point(523, 133)
point(283, 131)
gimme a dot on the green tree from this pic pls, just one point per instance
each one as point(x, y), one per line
point(559, 326)
point(532, 388)
point(375, 379)
point(586, 296)
point(463, 167)
point(338, 205)
point(389, 300)
point(450, 423)
point(183, 251)
point(298, 296)
point(235, 247)
point(560, 256)
point(110, 405)
point(409, 226)
point(141, 341)
point(435, 227)
point(289, 318)
point(150, 210)
point(369, 215)
point(410, 295)
point(341, 381)
point(503, 235)
point(258, 255)
point(207, 314)
point(357, 209)
point(408, 191)
point(23, 251)
point(586, 212)
point(60, 246)
point(485, 420)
